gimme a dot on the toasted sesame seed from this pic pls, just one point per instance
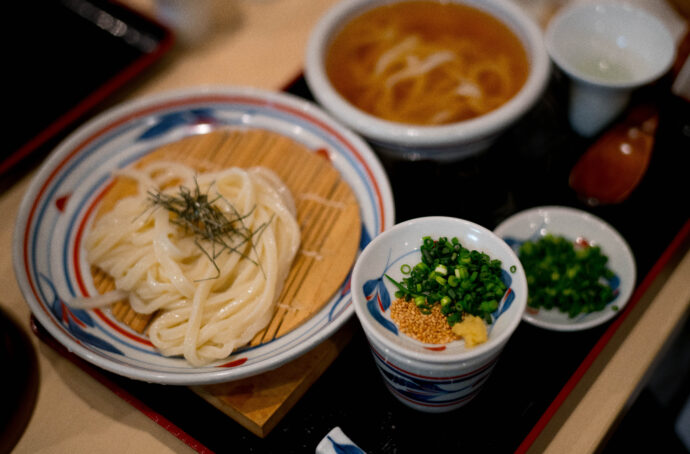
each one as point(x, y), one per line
point(430, 328)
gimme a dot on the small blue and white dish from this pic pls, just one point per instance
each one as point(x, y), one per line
point(336, 442)
point(583, 229)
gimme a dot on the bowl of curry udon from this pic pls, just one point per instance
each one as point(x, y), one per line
point(427, 79)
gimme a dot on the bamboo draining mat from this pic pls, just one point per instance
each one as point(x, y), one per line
point(328, 215)
point(327, 212)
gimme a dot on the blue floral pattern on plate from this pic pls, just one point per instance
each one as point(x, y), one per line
point(61, 195)
point(76, 321)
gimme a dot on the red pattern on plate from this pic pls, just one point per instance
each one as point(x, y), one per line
point(235, 363)
point(61, 202)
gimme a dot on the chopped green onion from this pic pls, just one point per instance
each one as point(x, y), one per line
point(559, 275)
point(462, 281)
point(441, 269)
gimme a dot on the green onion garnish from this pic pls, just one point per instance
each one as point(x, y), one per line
point(214, 231)
point(561, 276)
point(460, 280)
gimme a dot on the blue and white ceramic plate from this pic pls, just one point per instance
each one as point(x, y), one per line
point(47, 235)
point(584, 229)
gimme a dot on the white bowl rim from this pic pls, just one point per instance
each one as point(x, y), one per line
point(619, 8)
point(427, 136)
point(491, 347)
point(621, 244)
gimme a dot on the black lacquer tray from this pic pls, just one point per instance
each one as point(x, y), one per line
point(528, 167)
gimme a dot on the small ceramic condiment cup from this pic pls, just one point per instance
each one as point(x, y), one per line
point(432, 377)
point(608, 50)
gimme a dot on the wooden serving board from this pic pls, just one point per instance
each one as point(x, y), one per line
point(328, 215)
point(259, 403)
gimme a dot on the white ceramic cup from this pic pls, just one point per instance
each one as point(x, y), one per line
point(608, 50)
point(432, 377)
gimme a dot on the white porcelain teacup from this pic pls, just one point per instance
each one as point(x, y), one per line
point(608, 49)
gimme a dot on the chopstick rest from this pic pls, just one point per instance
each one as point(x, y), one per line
point(336, 442)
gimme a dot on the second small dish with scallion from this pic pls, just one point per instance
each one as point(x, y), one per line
point(580, 270)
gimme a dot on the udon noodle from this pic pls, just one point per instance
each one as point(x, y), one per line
point(426, 62)
point(210, 295)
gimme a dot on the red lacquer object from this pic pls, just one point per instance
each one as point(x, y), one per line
point(613, 166)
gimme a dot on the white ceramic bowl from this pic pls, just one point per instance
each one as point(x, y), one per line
point(49, 259)
point(585, 229)
point(440, 143)
point(431, 377)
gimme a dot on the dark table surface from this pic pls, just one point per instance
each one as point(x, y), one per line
point(528, 167)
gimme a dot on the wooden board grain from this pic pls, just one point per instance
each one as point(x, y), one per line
point(259, 403)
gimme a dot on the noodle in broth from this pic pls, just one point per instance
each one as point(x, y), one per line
point(426, 62)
